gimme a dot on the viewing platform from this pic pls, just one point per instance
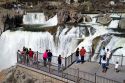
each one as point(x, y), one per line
point(88, 72)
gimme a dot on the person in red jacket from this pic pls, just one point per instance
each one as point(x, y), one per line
point(82, 54)
point(31, 55)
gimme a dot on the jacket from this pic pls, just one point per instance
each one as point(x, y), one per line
point(82, 52)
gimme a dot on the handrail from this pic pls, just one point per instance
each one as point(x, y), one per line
point(69, 72)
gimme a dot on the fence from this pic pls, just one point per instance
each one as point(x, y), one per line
point(66, 62)
point(119, 58)
point(69, 73)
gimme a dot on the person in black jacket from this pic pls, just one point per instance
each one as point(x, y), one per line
point(77, 55)
point(49, 56)
point(59, 62)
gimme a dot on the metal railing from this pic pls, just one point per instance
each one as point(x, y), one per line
point(66, 62)
point(68, 73)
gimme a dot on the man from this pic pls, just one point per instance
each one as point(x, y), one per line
point(49, 56)
point(59, 62)
point(102, 54)
point(82, 54)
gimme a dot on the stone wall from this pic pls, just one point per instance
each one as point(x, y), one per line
point(39, 76)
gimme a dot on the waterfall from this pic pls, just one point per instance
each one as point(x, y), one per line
point(34, 18)
point(64, 41)
point(39, 19)
point(10, 42)
point(113, 24)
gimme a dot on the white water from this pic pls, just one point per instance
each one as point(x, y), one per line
point(51, 22)
point(34, 18)
point(10, 42)
point(113, 24)
point(39, 18)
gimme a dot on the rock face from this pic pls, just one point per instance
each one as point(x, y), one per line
point(105, 19)
point(87, 18)
point(122, 24)
point(69, 16)
point(16, 76)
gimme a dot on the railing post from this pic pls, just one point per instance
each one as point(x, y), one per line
point(77, 81)
point(37, 56)
point(71, 58)
point(37, 59)
point(122, 60)
point(49, 68)
point(17, 57)
point(95, 77)
point(65, 62)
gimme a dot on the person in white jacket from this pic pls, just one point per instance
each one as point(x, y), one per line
point(108, 54)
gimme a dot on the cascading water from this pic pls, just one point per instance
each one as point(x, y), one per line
point(34, 18)
point(10, 42)
point(66, 41)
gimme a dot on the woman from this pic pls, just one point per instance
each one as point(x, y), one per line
point(45, 56)
point(77, 55)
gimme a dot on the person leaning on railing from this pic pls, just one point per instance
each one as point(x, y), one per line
point(31, 56)
point(45, 56)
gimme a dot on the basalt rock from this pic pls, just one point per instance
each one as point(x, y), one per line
point(105, 19)
point(69, 16)
point(122, 24)
point(87, 18)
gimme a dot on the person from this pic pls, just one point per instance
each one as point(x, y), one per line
point(45, 56)
point(19, 59)
point(82, 54)
point(108, 53)
point(103, 62)
point(49, 56)
point(31, 56)
point(59, 62)
point(102, 53)
point(116, 66)
point(27, 55)
point(24, 54)
point(77, 55)
point(35, 59)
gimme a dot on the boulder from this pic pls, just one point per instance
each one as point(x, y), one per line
point(105, 20)
point(87, 18)
point(122, 24)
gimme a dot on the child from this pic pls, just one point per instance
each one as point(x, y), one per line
point(35, 59)
point(116, 67)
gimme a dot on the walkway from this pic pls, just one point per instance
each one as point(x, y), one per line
point(94, 67)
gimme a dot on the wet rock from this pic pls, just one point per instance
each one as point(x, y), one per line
point(122, 24)
point(87, 18)
point(73, 16)
point(105, 20)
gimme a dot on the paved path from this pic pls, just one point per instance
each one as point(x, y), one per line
point(94, 67)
